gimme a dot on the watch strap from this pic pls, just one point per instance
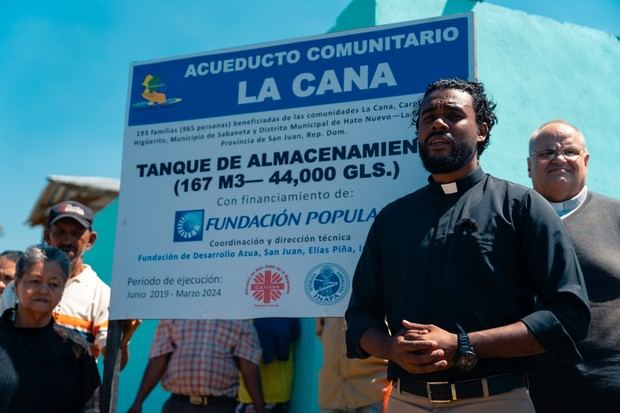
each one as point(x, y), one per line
point(463, 342)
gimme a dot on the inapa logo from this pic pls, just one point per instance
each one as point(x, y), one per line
point(326, 284)
point(188, 225)
point(267, 284)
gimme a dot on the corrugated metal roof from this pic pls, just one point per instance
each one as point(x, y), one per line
point(95, 192)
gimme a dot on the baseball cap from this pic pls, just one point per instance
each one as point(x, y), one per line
point(71, 209)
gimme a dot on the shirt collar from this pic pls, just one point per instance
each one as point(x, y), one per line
point(565, 208)
point(458, 186)
point(80, 276)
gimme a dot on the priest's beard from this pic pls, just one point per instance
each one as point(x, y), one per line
point(460, 154)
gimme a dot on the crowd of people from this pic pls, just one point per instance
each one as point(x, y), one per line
point(472, 294)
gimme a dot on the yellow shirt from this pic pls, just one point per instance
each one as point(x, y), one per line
point(276, 378)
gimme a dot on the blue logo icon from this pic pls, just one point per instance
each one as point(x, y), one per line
point(188, 225)
point(326, 284)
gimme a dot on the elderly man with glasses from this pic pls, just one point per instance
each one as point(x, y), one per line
point(558, 165)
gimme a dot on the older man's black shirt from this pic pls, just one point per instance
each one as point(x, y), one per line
point(479, 257)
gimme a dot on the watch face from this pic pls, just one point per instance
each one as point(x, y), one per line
point(466, 360)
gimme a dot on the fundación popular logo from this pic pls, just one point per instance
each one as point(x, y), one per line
point(188, 225)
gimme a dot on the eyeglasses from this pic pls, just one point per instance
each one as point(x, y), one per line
point(570, 153)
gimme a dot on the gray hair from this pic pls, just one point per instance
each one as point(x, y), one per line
point(42, 253)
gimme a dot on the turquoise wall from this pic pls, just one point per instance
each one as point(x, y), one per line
point(536, 69)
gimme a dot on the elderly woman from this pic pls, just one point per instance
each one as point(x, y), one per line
point(43, 367)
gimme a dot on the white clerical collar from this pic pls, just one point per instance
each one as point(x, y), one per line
point(460, 185)
point(449, 188)
point(566, 208)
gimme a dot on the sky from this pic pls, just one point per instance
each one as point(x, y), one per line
point(65, 71)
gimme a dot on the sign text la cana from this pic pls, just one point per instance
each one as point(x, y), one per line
point(307, 84)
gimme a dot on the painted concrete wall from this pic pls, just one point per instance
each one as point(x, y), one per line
point(536, 69)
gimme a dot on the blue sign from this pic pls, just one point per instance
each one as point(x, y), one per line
point(375, 63)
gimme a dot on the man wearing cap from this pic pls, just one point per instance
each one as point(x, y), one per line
point(86, 299)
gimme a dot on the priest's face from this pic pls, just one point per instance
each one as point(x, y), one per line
point(448, 132)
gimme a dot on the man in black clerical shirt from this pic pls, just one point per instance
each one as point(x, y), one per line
point(455, 269)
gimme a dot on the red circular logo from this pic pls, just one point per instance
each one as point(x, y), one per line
point(267, 284)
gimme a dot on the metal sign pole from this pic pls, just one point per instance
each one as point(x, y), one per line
point(111, 367)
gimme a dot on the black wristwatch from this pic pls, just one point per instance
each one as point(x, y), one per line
point(465, 357)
